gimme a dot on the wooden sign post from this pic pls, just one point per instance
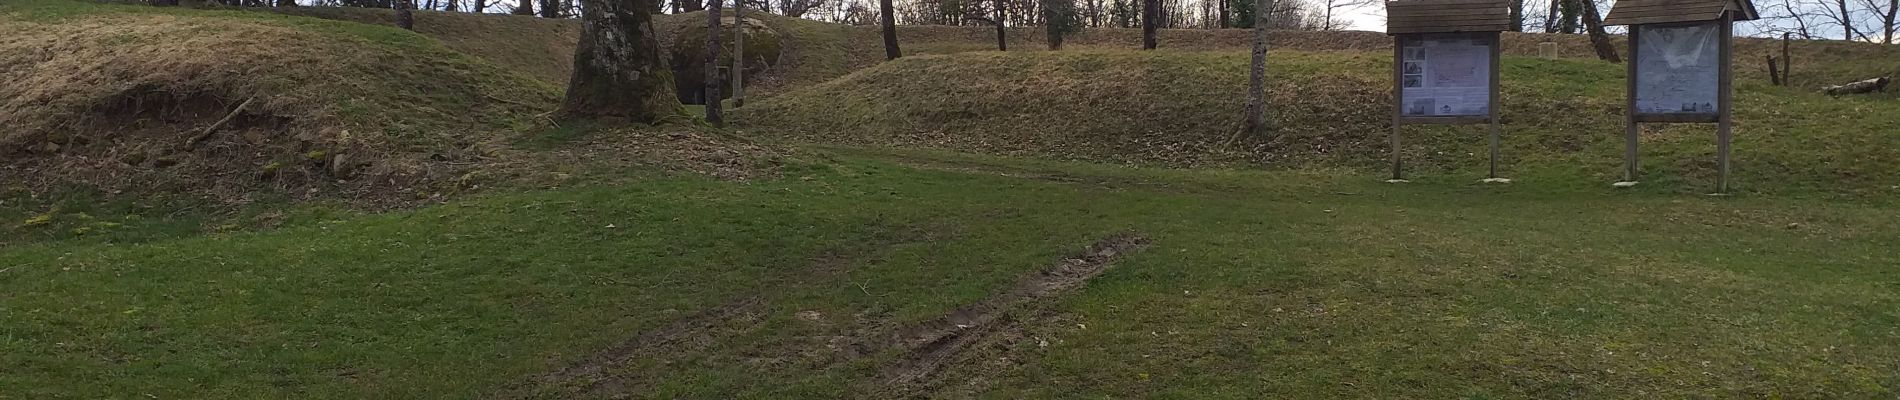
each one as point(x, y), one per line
point(1679, 70)
point(1445, 67)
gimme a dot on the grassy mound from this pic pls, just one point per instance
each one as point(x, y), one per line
point(543, 48)
point(539, 48)
point(1330, 109)
point(121, 97)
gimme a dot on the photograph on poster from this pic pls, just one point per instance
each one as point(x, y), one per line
point(1446, 75)
point(1677, 68)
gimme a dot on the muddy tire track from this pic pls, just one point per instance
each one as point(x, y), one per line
point(604, 373)
point(998, 323)
point(595, 376)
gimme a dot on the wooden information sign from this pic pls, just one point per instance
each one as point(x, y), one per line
point(1679, 69)
point(1445, 66)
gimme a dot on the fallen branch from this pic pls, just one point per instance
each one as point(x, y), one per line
point(193, 143)
point(1858, 87)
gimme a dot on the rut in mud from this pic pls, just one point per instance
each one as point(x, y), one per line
point(995, 323)
point(953, 352)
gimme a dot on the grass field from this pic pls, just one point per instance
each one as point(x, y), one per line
point(1256, 284)
point(1028, 224)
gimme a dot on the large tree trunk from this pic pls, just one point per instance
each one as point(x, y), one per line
point(1150, 9)
point(714, 100)
point(692, 5)
point(525, 8)
point(618, 73)
point(890, 30)
point(405, 18)
point(1256, 118)
point(552, 8)
point(1593, 23)
point(1002, 42)
point(481, 5)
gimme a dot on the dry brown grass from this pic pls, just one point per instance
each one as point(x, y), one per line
point(113, 101)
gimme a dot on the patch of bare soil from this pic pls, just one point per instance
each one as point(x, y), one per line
point(956, 352)
point(997, 323)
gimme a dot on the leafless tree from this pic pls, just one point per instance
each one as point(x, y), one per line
point(1329, 8)
point(1882, 15)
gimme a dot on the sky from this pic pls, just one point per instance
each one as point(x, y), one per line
point(1369, 18)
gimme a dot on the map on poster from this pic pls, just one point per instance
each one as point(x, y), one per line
point(1677, 69)
point(1446, 75)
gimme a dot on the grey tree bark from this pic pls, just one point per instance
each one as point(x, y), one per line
point(713, 98)
point(1256, 118)
point(618, 73)
point(525, 8)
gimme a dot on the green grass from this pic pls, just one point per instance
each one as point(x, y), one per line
point(1260, 284)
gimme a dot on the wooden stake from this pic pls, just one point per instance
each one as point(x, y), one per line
point(1398, 102)
point(1629, 117)
point(1724, 86)
point(1497, 46)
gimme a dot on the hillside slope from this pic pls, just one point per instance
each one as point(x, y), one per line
point(238, 105)
point(820, 51)
point(1329, 109)
point(122, 97)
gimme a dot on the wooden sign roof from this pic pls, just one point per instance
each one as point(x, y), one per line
point(1639, 12)
point(1439, 16)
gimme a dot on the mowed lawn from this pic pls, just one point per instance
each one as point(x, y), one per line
point(1256, 285)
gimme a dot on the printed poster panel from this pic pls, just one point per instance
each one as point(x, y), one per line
point(1445, 75)
point(1678, 68)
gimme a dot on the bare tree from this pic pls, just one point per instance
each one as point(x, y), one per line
point(618, 72)
point(1059, 17)
point(1593, 24)
point(890, 30)
point(405, 18)
point(1837, 13)
point(1884, 13)
point(1257, 75)
point(1329, 7)
point(713, 97)
point(526, 7)
point(1517, 15)
point(1150, 11)
point(1002, 43)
